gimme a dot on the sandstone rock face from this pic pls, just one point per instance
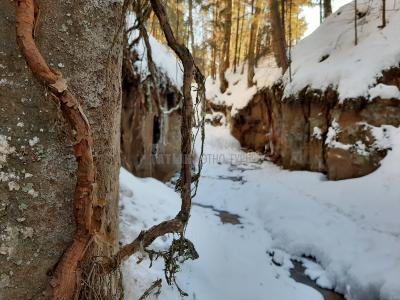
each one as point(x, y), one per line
point(313, 131)
point(150, 144)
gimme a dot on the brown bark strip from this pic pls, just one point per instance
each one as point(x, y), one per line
point(64, 282)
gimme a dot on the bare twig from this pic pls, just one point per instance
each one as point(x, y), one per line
point(155, 285)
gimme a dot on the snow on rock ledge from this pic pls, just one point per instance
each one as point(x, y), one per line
point(165, 60)
point(238, 95)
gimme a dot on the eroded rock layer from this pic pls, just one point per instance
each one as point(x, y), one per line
point(314, 131)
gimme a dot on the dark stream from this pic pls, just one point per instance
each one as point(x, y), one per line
point(297, 273)
point(225, 216)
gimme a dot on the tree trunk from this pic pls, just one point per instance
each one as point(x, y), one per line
point(252, 44)
point(260, 34)
point(321, 11)
point(225, 54)
point(327, 8)
point(214, 48)
point(236, 58)
point(283, 16)
point(278, 37)
point(383, 13)
point(38, 167)
point(193, 46)
point(240, 37)
point(355, 23)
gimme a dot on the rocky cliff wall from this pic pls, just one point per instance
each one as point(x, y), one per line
point(150, 144)
point(314, 131)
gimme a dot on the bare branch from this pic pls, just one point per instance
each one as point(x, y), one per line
point(178, 224)
point(145, 239)
point(187, 107)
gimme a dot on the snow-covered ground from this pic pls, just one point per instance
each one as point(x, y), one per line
point(351, 227)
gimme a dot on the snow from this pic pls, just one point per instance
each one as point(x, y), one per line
point(317, 133)
point(333, 131)
point(238, 94)
point(315, 272)
point(351, 227)
point(381, 134)
point(329, 57)
point(384, 91)
point(227, 253)
point(164, 59)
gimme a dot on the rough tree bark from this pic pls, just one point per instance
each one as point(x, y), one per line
point(278, 37)
point(38, 165)
point(225, 54)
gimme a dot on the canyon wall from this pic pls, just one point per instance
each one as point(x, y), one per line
point(150, 143)
point(314, 131)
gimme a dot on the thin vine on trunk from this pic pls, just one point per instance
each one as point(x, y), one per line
point(64, 282)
